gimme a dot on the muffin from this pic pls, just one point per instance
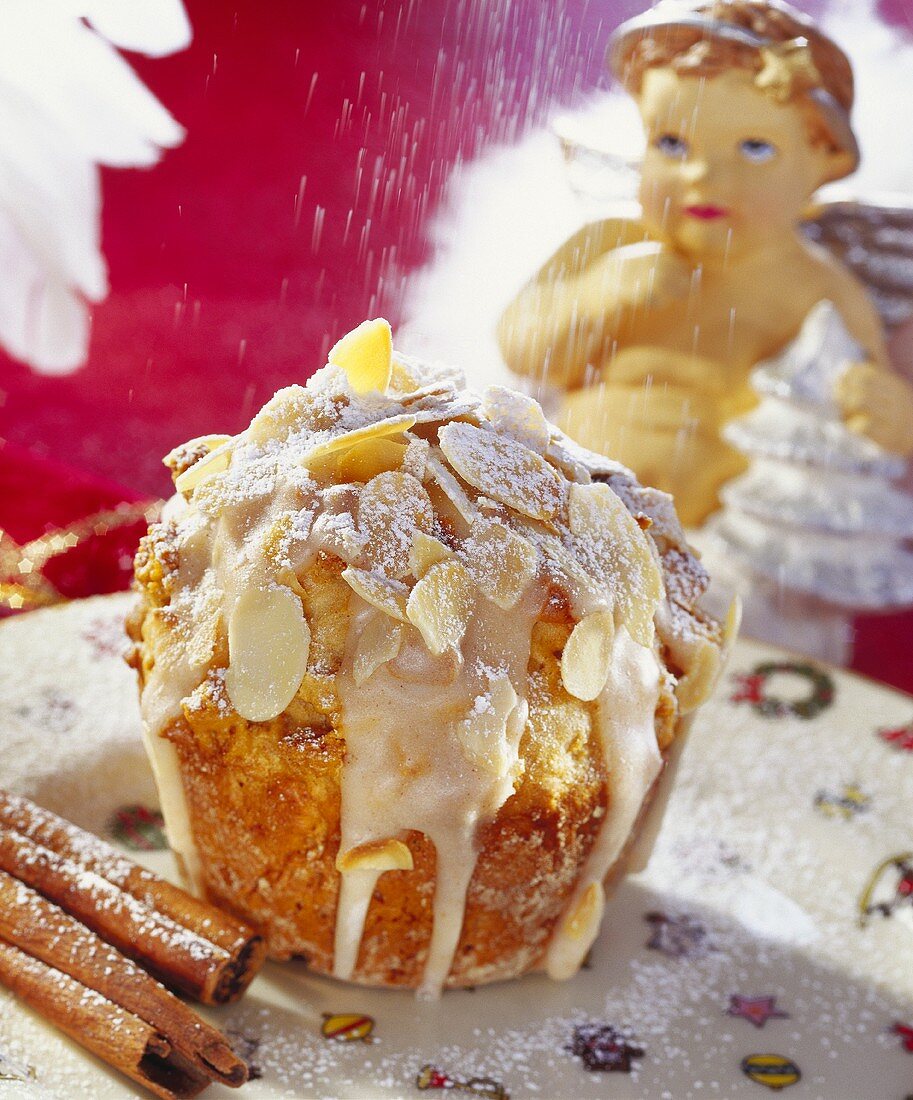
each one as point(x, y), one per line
point(412, 665)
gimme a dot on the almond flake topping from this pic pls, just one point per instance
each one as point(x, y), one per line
point(567, 462)
point(505, 470)
point(183, 456)
point(587, 656)
point(366, 355)
point(378, 643)
point(451, 488)
point(394, 425)
point(295, 409)
point(369, 458)
point(481, 733)
point(376, 855)
point(268, 644)
point(698, 682)
point(501, 562)
point(613, 549)
point(415, 460)
point(518, 416)
point(381, 592)
point(392, 507)
point(426, 551)
point(440, 605)
point(216, 462)
point(584, 918)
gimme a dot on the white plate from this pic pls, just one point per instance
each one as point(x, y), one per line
point(775, 833)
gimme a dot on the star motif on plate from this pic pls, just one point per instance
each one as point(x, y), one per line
point(679, 937)
point(603, 1048)
point(756, 1010)
point(849, 801)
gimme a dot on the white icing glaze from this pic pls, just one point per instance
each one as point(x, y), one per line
point(432, 742)
point(163, 757)
point(626, 711)
point(437, 758)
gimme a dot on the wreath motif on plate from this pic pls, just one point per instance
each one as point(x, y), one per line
point(751, 689)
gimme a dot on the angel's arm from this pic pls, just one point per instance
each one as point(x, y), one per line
point(566, 316)
point(874, 399)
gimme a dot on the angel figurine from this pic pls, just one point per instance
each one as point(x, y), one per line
point(650, 325)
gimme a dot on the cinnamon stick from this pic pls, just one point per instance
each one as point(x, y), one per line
point(177, 956)
point(243, 950)
point(39, 928)
point(112, 1033)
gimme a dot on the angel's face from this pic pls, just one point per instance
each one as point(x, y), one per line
point(727, 169)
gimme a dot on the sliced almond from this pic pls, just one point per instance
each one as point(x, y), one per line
point(286, 410)
point(378, 643)
point(700, 679)
point(482, 732)
point(337, 534)
point(732, 623)
point(381, 592)
point(587, 656)
point(182, 457)
point(268, 645)
point(216, 462)
point(426, 551)
point(439, 389)
point(403, 375)
point(440, 605)
point(517, 415)
point(366, 355)
point(504, 469)
point(392, 507)
point(286, 539)
point(415, 461)
point(577, 933)
point(616, 552)
point(437, 410)
point(567, 572)
point(414, 376)
point(394, 425)
point(583, 920)
point(369, 458)
point(568, 463)
point(501, 562)
point(451, 488)
point(376, 855)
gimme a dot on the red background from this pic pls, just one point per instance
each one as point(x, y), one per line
point(320, 138)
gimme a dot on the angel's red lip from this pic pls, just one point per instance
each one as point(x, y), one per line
point(706, 213)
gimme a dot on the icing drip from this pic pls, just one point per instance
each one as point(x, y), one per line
point(445, 778)
point(163, 757)
point(216, 569)
point(626, 710)
point(355, 891)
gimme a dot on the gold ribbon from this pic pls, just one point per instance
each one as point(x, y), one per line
point(22, 585)
point(788, 69)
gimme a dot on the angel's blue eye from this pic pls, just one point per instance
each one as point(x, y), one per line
point(756, 150)
point(669, 145)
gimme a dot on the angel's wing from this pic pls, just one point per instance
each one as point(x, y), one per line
point(68, 103)
point(874, 239)
point(602, 146)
